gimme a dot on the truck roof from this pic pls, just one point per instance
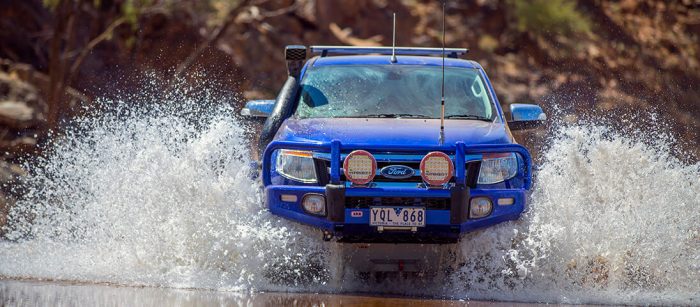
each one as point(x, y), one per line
point(386, 60)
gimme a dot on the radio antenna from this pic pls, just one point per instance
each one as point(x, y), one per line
point(393, 42)
point(442, 99)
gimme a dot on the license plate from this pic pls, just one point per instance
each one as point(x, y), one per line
point(397, 216)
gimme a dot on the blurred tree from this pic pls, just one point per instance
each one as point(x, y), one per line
point(67, 50)
point(224, 15)
point(69, 47)
point(549, 17)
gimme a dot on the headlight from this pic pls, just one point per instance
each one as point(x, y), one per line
point(296, 165)
point(498, 167)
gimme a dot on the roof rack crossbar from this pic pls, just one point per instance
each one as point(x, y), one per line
point(325, 50)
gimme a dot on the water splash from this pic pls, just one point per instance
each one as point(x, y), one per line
point(159, 193)
point(613, 219)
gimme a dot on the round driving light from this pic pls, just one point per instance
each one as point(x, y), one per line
point(360, 167)
point(314, 204)
point(436, 168)
point(480, 207)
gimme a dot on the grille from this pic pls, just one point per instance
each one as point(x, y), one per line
point(414, 165)
point(325, 164)
point(366, 202)
point(323, 172)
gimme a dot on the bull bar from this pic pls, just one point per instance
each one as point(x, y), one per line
point(454, 220)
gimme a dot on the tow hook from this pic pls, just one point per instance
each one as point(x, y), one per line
point(327, 235)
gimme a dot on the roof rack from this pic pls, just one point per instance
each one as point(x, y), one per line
point(449, 52)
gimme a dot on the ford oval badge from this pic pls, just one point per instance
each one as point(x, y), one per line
point(397, 172)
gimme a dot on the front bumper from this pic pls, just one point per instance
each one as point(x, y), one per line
point(350, 224)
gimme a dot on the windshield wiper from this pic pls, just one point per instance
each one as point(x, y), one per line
point(398, 115)
point(467, 116)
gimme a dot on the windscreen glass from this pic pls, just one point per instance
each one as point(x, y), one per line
point(393, 91)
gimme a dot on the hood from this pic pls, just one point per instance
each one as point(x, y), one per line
point(408, 131)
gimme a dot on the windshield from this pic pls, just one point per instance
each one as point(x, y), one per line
point(393, 91)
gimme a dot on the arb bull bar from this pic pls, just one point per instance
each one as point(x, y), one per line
point(453, 221)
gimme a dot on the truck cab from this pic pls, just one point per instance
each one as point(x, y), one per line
point(357, 144)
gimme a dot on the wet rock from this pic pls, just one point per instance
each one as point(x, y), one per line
point(16, 114)
point(18, 144)
point(20, 103)
point(9, 173)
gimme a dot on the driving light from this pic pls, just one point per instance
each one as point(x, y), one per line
point(436, 168)
point(290, 198)
point(497, 167)
point(360, 167)
point(480, 207)
point(296, 165)
point(314, 204)
point(506, 201)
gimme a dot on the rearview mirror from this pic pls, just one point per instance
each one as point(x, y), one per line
point(525, 116)
point(258, 108)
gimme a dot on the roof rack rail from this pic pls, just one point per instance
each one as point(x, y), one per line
point(449, 52)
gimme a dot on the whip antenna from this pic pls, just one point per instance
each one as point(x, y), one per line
point(442, 99)
point(393, 42)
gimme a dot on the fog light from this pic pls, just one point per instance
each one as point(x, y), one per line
point(479, 207)
point(290, 198)
point(314, 204)
point(506, 201)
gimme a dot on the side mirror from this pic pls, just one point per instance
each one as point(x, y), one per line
point(258, 108)
point(525, 116)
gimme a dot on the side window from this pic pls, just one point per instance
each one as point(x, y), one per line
point(479, 91)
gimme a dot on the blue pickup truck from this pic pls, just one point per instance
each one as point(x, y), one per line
point(352, 145)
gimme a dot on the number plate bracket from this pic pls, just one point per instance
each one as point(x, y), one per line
point(405, 218)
